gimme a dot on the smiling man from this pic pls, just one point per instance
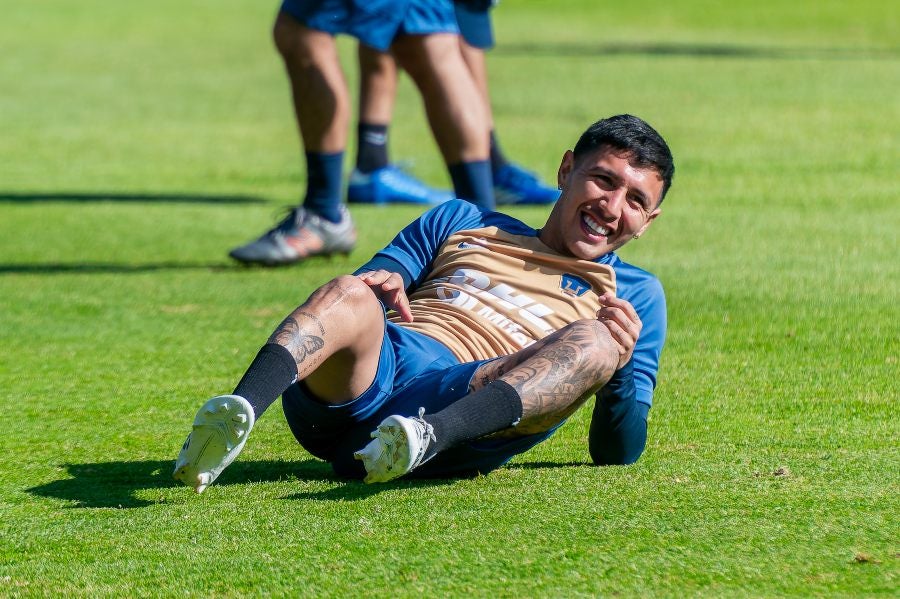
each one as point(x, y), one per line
point(472, 337)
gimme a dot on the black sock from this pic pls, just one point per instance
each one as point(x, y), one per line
point(492, 408)
point(372, 149)
point(498, 159)
point(473, 181)
point(324, 184)
point(272, 371)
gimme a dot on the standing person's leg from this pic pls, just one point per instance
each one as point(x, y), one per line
point(322, 108)
point(332, 343)
point(454, 108)
point(377, 93)
point(375, 180)
point(512, 183)
point(526, 393)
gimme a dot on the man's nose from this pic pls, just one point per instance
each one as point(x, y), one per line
point(614, 199)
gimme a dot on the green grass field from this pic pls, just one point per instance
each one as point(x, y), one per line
point(138, 143)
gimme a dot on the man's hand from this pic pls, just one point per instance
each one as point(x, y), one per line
point(388, 287)
point(623, 323)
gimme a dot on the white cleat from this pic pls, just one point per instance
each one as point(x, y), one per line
point(398, 446)
point(220, 431)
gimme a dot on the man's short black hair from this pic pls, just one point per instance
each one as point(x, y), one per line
point(625, 133)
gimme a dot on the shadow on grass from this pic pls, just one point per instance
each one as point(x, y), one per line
point(63, 268)
point(542, 465)
point(695, 50)
point(118, 197)
point(115, 484)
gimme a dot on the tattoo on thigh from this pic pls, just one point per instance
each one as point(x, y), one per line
point(299, 340)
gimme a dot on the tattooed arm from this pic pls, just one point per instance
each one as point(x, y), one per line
point(556, 379)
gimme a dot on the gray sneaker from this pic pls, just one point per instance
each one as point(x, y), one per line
point(300, 235)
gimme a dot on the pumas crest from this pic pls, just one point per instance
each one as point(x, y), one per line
point(574, 286)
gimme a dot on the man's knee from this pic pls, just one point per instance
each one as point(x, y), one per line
point(423, 56)
point(348, 292)
point(297, 43)
point(284, 33)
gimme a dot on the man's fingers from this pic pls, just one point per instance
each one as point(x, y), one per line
point(619, 317)
point(394, 281)
point(623, 338)
point(401, 305)
point(375, 277)
point(613, 302)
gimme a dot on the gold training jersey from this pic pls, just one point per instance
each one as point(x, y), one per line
point(491, 292)
point(484, 285)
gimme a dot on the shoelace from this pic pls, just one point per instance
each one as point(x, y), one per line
point(293, 219)
point(427, 433)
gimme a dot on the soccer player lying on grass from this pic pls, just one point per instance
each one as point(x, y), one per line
point(495, 333)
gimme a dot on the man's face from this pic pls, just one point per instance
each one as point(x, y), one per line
point(605, 202)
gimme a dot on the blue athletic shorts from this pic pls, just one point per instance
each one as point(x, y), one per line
point(413, 371)
point(474, 20)
point(375, 22)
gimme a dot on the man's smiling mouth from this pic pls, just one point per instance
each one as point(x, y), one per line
point(593, 225)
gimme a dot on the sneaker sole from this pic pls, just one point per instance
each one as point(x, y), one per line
point(220, 431)
point(263, 262)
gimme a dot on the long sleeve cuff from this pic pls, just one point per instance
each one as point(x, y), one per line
point(618, 431)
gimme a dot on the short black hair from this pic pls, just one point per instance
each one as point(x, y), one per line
point(626, 133)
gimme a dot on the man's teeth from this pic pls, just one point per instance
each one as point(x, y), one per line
point(595, 226)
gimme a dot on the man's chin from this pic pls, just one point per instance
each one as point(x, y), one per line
point(591, 252)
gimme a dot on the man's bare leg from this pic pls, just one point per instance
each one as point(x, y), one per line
point(454, 108)
point(375, 180)
point(452, 101)
point(322, 109)
point(319, 91)
point(377, 93)
point(477, 65)
point(332, 342)
point(377, 85)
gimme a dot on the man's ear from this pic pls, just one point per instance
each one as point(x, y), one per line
point(650, 218)
point(566, 166)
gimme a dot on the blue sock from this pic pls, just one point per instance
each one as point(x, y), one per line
point(473, 181)
point(324, 184)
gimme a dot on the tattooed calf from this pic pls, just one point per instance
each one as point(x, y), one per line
point(298, 340)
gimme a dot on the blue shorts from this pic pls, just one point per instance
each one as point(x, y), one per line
point(375, 23)
point(474, 20)
point(413, 371)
